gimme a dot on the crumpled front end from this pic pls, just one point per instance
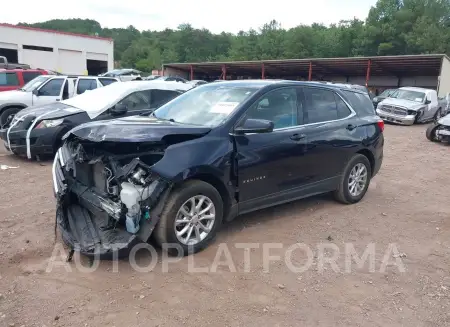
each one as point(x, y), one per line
point(107, 200)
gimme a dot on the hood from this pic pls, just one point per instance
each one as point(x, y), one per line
point(378, 98)
point(14, 96)
point(412, 105)
point(50, 111)
point(134, 129)
point(445, 120)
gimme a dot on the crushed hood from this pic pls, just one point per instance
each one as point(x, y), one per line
point(134, 129)
point(445, 120)
point(412, 105)
point(51, 111)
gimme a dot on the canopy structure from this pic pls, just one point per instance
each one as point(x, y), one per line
point(315, 69)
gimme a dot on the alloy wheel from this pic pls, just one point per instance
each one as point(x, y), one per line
point(195, 220)
point(357, 179)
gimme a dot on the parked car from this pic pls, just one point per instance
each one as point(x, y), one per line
point(124, 75)
point(46, 89)
point(385, 94)
point(167, 78)
point(217, 151)
point(439, 131)
point(13, 79)
point(38, 130)
point(409, 105)
point(197, 82)
point(11, 65)
point(151, 77)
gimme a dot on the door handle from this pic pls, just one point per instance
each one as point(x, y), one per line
point(57, 99)
point(297, 137)
point(351, 127)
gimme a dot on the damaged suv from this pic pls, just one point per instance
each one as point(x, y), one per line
point(215, 152)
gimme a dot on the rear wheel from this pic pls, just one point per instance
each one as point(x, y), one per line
point(438, 115)
point(431, 132)
point(7, 115)
point(191, 218)
point(355, 180)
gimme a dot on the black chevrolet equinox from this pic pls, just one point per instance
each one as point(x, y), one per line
point(215, 152)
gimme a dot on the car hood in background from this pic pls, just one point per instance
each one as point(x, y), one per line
point(134, 129)
point(403, 103)
point(49, 111)
point(14, 96)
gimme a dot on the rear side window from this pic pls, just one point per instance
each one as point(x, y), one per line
point(323, 105)
point(160, 97)
point(8, 79)
point(28, 76)
point(360, 102)
point(85, 85)
point(107, 81)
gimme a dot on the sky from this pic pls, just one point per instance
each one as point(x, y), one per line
point(217, 16)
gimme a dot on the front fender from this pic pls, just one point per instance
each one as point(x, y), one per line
point(207, 155)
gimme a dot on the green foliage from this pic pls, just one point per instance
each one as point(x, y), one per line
point(393, 27)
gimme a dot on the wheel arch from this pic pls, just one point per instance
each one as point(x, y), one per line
point(12, 105)
point(218, 184)
point(369, 155)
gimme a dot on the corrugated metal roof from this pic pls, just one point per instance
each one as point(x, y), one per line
point(410, 65)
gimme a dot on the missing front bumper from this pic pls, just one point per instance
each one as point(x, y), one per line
point(84, 223)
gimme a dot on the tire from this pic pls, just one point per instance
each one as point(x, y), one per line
point(6, 113)
point(343, 194)
point(164, 232)
point(431, 132)
point(438, 115)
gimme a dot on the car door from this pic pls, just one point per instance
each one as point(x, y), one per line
point(84, 84)
point(270, 165)
point(432, 104)
point(332, 132)
point(50, 91)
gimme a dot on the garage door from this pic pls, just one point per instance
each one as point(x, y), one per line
point(71, 62)
point(97, 56)
point(38, 59)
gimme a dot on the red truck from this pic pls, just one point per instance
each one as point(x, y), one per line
point(13, 79)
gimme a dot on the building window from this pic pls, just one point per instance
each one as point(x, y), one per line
point(34, 47)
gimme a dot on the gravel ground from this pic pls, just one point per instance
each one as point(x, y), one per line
point(406, 205)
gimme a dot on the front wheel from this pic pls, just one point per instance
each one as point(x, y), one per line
point(355, 180)
point(431, 132)
point(7, 116)
point(191, 218)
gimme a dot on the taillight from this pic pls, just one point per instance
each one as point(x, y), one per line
point(380, 124)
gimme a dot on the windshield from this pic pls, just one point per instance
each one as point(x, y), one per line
point(208, 105)
point(35, 83)
point(386, 93)
point(415, 96)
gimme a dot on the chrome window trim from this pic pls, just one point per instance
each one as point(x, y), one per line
point(351, 115)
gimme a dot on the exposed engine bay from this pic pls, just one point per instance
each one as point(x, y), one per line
point(107, 200)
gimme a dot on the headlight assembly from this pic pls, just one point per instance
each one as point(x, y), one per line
point(50, 123)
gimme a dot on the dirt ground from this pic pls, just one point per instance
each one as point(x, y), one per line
point(407, 205)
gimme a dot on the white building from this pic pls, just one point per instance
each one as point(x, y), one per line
point(64, 52)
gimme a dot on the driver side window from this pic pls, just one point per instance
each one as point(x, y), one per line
point(52, 88)
point(279, 106)
point(137, 101)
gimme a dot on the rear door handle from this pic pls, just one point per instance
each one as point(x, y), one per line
point(351, 127)
point(297, 137)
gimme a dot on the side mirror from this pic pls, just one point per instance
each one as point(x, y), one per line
point(118, 109)
point(427, 101)
point(255, 126)
point(36, 92)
